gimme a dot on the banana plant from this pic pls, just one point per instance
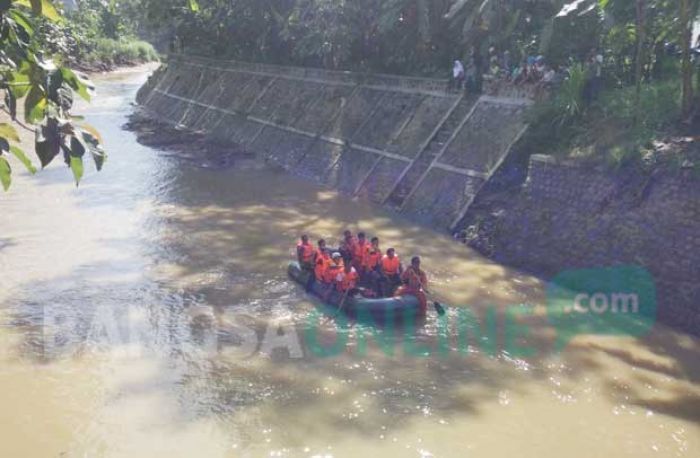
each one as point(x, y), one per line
point(645, 13)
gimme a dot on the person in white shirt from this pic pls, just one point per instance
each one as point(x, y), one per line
point(458, 75)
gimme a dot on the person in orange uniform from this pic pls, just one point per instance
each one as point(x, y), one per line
point(390, 270)
point(320, 249)
point(373, 259)
point(335, 268)
point(347, 247)
point(321, 261)
point(415, 283)
point(374, 256)
point(305, 253)
point(346, 282)
point(360, 253)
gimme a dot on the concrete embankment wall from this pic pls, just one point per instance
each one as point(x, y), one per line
point(406, 143)
point(569, 217)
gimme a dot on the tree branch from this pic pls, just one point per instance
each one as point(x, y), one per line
point(19, 123)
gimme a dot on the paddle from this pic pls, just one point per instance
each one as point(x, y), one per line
point(438, 306)
point(342, 301)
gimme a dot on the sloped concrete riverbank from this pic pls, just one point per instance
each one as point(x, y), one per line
point(405, 143)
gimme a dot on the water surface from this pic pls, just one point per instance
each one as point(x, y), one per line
point(122, 301)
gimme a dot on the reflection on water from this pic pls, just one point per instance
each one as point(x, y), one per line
point(125, 305)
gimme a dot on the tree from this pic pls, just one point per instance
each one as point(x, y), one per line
point(653, 23)
point(46, 89)
point(687, 14)
point(640, 8)
point(507, 25)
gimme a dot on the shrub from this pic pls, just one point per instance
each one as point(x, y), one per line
point(611, 130)
point(553, 122)
point(123, 51)
point(659, 107)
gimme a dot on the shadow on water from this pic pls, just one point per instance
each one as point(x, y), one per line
point(208, 246)
point(209, 257)
point(227, 237)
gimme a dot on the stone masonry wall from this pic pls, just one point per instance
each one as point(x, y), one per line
point(568, 217)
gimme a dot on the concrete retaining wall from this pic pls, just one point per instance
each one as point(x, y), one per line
point(569, 217)
point(399, 141)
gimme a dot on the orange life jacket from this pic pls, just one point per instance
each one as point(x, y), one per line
point(323, 261)
point(348, 280)
point(349, 246)
point(359, 253)
point(307, 252)
point(332, 271)
point(390, 266)
point(373, 258)
point(416, 279)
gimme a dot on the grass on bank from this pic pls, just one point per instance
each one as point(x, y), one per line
point(121, 52)
point(610, 130)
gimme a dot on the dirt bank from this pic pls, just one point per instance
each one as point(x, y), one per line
point(192, 147)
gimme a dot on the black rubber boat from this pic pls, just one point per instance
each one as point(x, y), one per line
point(380, 310)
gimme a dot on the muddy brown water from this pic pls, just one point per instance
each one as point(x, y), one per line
point(127, 307)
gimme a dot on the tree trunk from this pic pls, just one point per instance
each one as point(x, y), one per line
point(687, 67)
point(478, 66)
point(639, 58)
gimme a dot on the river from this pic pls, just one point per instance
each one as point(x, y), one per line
point(128, 306)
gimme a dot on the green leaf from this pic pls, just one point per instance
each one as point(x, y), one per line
point(35, 105)
point(79, 84)
point(42, 7)
point(19, 154)
point(8, 131)
point(22, 21)
point(31, 4)
point(5, 173)
point(46, 152)
point(37, 6)
point(88, 129)
point(99, 156)
point(76, 165)
point(20, 90)
point(19, 80)
point(47, 145)
point(194, 6)
point(77, 147)
point(92, 140)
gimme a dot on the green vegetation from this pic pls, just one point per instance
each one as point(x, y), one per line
point(98, 35)
point(39, 47)
point(397, 36)
point(47, 90)
point(611, 129)
point(645, 91)
point(120, 52)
